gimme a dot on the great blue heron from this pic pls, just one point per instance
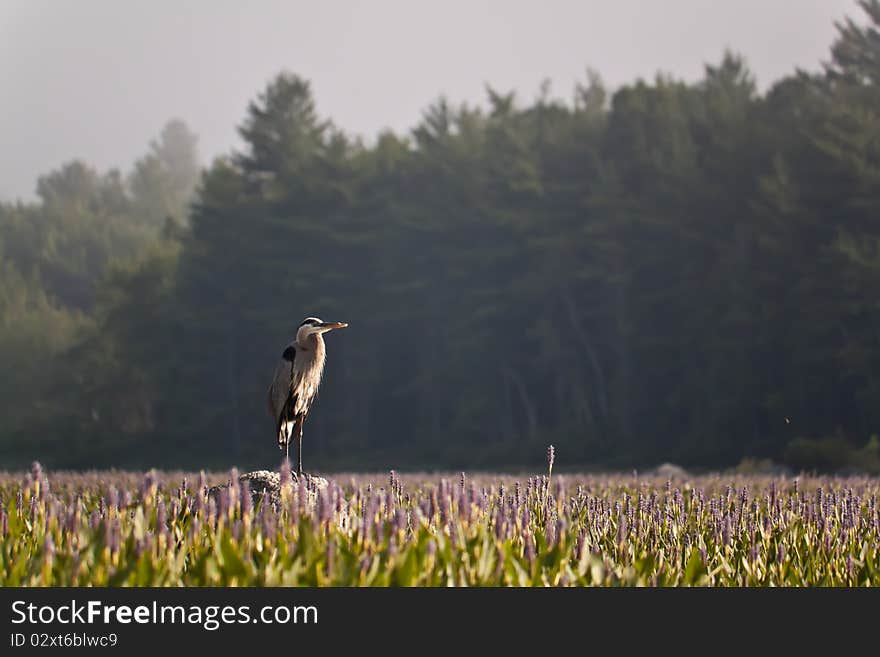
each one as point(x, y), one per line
point(296, 381)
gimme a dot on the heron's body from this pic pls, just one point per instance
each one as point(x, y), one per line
point(296, 381)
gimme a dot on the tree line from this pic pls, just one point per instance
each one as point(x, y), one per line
point(669, 271)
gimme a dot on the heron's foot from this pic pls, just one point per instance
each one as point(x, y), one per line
point(306, 477)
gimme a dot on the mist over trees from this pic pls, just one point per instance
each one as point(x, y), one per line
point(669, 271)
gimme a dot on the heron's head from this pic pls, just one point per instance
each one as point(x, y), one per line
point(313, 325)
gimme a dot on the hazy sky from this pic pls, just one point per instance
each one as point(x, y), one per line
point(97, 79)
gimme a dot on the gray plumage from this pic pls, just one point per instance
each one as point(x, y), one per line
point(296, 381)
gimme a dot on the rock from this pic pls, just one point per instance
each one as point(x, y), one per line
point(670, 471)
point(265, 485)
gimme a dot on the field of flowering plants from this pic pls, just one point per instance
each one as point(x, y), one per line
point(165, 529)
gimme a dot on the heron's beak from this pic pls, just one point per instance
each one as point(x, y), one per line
point(329, 326)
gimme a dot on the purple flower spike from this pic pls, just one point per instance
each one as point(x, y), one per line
point(48, 547)
point(330, 554)
point(247, 502)
point(161, 517)
point(529, 550)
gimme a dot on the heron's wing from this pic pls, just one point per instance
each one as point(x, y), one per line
point(279, 389)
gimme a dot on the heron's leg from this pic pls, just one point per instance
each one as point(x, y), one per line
point(298, 430)
point(287, 428)
point(299, 452)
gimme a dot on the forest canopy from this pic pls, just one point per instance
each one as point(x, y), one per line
point(667, 271)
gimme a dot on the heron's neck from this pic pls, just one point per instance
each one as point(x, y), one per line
point(313, 350)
